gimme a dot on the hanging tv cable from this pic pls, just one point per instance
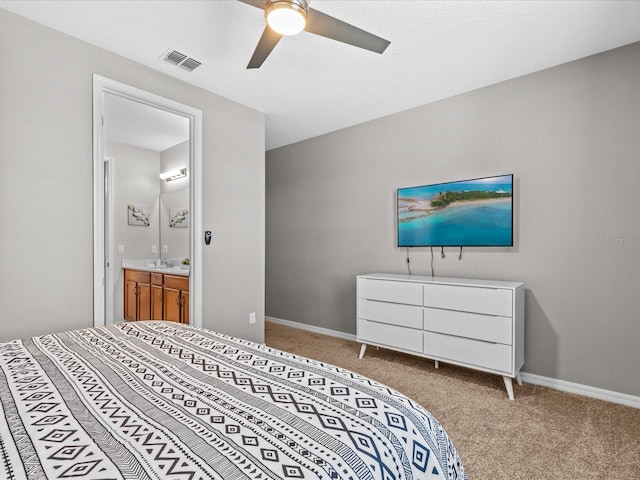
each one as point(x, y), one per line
point(432, 271)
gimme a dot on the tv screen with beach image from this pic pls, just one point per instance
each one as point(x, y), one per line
point(477, 212)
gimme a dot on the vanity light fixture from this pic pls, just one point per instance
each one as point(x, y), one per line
point(173, 174)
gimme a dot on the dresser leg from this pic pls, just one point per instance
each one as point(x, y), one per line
point(362, 350)
point(509, 384)
point(518, 379)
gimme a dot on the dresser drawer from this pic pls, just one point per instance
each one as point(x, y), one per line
point(490, 301)
point(493, 356)
point(389, 291)
point(401, 338)
point(391, 313)
point(489, 328)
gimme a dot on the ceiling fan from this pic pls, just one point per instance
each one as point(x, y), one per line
point(288, 17)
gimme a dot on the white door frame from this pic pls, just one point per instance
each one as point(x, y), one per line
point(102, 85)
point(108, 239)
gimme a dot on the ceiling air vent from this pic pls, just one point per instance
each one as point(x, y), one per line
point(190, 64)
point(181, 60)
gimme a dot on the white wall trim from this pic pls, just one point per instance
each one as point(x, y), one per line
point(556, 384)
point(584, 390)
point(109, 280)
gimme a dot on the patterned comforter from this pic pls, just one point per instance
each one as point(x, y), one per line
point(160, 400)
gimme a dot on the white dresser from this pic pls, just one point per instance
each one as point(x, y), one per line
point(474, 323)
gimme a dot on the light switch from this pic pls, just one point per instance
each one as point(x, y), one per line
point(165, 248)
point(120, 248)
point(154, 249)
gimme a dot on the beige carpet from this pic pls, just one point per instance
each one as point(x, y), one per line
point(543, 434)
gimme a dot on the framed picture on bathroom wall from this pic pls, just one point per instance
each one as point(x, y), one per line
point(178, 217)
point(138, 215)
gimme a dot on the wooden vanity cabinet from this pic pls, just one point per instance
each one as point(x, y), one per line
point(137, 295)
point(155, 296)
point(176, 298)
point(185, 306)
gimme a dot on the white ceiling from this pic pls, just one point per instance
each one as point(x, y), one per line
point(132, 123)
point(310, 85)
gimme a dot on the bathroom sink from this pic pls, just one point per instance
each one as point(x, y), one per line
point(176, 269)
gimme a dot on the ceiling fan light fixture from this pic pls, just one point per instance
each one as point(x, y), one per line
point(286, 17)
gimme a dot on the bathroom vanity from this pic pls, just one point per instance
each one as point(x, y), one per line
point(156, 293)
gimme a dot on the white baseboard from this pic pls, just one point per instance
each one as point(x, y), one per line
point(556, 384)
point(584, 390)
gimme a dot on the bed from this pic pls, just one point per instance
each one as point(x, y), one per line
point(161, 400)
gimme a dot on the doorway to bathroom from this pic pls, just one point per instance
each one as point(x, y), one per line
point(125, 120)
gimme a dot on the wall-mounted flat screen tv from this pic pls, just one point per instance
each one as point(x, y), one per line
point(466, 213)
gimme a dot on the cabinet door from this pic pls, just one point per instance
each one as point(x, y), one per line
point(184, 299)
point(130, 301)
point(156, 302)
point(144, 301)
point(171, 304)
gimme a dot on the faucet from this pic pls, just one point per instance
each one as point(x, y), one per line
point(167, 263)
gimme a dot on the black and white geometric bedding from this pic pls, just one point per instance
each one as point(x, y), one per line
point(160, 400)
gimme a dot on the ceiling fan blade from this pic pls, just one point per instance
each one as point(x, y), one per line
point(330, 27)
point(256, 3)
point(268, 40)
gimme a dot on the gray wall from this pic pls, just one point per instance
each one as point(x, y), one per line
point(46, 185)
point(569, 134)
point(135, 181)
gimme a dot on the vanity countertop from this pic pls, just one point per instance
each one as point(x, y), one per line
point(148, 266)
